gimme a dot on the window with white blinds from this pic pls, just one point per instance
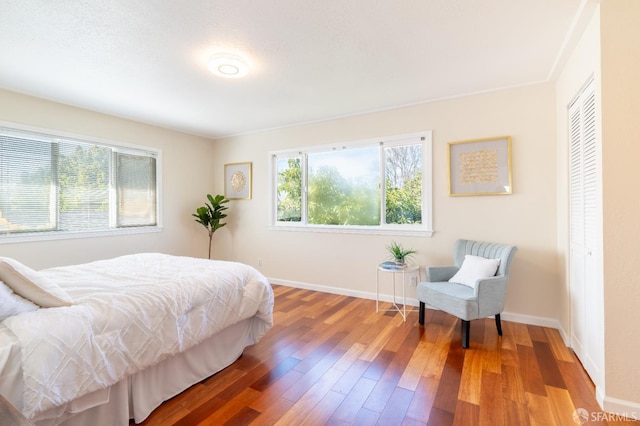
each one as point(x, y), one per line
point(53, 185)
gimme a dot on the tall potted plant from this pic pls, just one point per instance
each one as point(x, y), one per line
point(211, 214)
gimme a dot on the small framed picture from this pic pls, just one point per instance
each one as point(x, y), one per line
point(237, 181)
point(480, 167)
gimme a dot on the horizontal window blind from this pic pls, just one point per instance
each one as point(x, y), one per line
point(57, 184)
point(136, 186)
point(27, 184)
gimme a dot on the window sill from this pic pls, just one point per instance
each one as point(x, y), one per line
point(400, 231)
point(52, 236)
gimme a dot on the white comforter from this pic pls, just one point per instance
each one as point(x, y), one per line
point(131, 312)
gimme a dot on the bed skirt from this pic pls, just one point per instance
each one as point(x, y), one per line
point(137, 396)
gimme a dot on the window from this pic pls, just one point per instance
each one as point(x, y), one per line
point(376, 185)
point(53, 185)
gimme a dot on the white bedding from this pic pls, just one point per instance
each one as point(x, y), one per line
point(130, 313)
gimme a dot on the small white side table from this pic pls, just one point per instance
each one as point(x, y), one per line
point(407, 271)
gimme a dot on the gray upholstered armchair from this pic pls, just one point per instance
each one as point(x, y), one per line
point(479, 297)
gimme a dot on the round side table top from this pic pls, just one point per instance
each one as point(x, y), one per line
point(392, 266)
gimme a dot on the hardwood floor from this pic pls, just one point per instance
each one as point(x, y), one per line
point(332, 360)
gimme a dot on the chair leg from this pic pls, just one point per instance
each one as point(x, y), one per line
point(466, 326)
point(498, 325)
point(421, 314)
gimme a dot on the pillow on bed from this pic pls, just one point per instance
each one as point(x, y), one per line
point(474, 268)
point(12, 304)
point(31, 285)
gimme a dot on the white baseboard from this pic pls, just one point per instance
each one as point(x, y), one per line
point(617, 409)
point(565, 336)
point(507, 316)
point(341, 291)
point(532, 320)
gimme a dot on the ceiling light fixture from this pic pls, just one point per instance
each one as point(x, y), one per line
point(228, 65)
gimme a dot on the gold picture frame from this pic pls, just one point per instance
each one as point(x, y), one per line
point(480, 167)
point(237, 181)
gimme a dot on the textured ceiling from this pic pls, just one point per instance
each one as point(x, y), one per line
point(310, 60)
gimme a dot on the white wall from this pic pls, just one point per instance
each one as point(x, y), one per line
point(187, 176)
point(527, 218)
point(620, 43)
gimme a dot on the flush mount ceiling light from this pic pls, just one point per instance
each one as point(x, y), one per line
point(228, 65)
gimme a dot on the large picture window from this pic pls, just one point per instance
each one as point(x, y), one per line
point(376, 185)
point(62, 185)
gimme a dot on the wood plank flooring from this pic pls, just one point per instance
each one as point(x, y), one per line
point(332, 360)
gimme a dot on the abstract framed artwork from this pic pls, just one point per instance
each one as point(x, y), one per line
point(480, 167)
point(237, 181)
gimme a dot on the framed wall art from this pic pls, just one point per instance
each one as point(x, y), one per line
point(237, 181)
point(480, 167)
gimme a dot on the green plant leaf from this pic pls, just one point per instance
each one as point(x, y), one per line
point(211, 214)
point(400, 253)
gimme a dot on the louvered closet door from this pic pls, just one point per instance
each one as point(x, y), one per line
point(584, 190)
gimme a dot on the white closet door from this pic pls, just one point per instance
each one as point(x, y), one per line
point(576, 230)
point(585, 230)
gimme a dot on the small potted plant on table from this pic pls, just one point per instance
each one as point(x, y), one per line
point(399, 254)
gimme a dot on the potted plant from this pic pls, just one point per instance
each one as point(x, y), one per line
point(211, 214)
point(399, 253)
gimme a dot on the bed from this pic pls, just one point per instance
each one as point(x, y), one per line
point(120, 336)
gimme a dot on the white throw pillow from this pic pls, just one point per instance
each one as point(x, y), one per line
point(31, 285)
point(474, 268)
point(12, 304)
